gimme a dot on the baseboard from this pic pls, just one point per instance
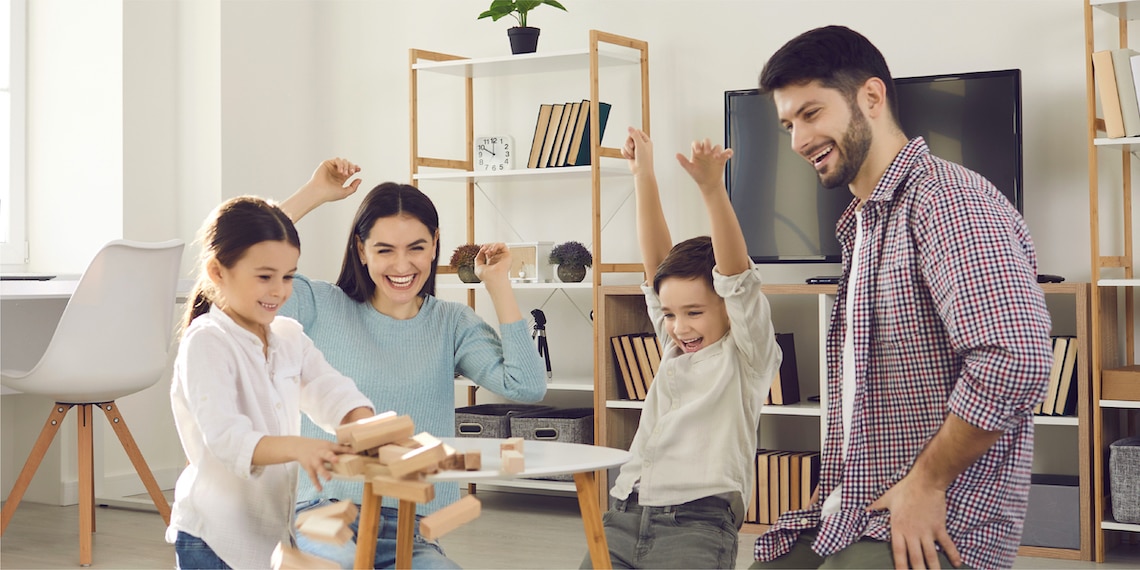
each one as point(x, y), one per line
point(122, 485)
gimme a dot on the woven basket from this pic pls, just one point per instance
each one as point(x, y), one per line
point(568, 425)
point(490, 420)
point(1124, 476)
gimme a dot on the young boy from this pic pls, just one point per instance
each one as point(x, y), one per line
point(680, 500)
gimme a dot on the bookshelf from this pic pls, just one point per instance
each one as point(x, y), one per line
point(603, 50)
point(1113, 324)
point(622, 311)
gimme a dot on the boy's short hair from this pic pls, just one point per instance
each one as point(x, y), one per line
point(689, 259)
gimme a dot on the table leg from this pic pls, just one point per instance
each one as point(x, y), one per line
point(368, 529)
point(586, 484)
point(405, 533)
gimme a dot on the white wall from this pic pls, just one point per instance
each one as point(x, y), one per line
point(226, 97)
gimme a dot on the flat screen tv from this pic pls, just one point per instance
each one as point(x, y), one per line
point(973, 119)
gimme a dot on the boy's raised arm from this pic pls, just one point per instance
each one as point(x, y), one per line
point(706, 167)
point(652, 231)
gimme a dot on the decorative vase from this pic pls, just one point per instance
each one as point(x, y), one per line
point(571, 273)
point(523, 40)
point(467, 274)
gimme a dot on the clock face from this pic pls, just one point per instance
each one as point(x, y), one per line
point(494, 153)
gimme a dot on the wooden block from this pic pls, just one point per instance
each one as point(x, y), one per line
point(472, 460)
point(340, 510)
point(413, 490)
point(450, 517)
point(381, 433)
point(1120, 383)
point(513, 462)
point(344, 431)
point(423, 459)
point(391, 453)
point(326, 529)
point(286, 557)
point(349, 465)
point(375, 468)
point(452, 460)
point(512, 444)
point(424, 439)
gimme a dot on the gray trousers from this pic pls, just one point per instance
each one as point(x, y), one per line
point(698, 534)
point(866, 553)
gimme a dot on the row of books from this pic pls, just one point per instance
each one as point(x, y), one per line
point(1117, 73)
point(1061, 395)
point(784, 481)
point(638, 356)
point(562, 134)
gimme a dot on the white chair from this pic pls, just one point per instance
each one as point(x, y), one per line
point(112, 340)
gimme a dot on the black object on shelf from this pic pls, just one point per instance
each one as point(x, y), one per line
point(539, 334)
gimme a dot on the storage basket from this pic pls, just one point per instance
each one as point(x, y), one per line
point(1124, 476)
point(567, 425)
point(490, 420)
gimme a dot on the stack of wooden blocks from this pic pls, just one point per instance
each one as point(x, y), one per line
point(388, 453)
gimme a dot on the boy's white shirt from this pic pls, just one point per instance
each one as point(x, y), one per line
point(698, 431)
point(226, 395)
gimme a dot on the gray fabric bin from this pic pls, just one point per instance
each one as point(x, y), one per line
point(567, 425)
point(490, 420)
point(1124, 477)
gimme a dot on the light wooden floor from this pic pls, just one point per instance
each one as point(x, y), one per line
point(514, 531)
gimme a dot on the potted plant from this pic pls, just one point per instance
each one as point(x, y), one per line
point(463, 261)
point(572, 258)
point(524, 39)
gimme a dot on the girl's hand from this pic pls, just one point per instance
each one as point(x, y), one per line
point(312, 454)
point(493, 262)
point(328, 180)
point(706, 164)
point(638, 150)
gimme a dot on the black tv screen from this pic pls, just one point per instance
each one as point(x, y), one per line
point(973, 119)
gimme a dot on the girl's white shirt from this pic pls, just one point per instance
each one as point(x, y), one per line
point(226, 395)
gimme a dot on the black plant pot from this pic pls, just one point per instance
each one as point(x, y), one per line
point(467, 274)
point(523, 40)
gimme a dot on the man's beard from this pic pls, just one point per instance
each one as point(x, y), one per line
point(855, 145)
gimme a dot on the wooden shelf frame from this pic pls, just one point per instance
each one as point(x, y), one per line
point(1109, 419)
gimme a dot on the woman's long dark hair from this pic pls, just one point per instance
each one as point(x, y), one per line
point(384, 201)
point(231, 229)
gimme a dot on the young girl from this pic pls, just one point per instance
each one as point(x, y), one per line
point(241, 380)
point(382, 325)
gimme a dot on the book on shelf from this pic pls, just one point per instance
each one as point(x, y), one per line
point(571, 125)
point(540, 126)
point(560, 137)
point(774, 483)
point(786, 481)
point(786, 385)
point(1105, 78)
point(1126, 90)
point(761, 490)
point(1045, 407)
point(643, 364)
point(634, 369)
point(580, 145)
point(653, 350)
point(551, 133)
point(1067, 388)
point(625, 381)
point(809, 477)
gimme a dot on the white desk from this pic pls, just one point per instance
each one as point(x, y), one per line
point(61, 288)
point(542, 459)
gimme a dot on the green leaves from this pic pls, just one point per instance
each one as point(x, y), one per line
point(516, 9)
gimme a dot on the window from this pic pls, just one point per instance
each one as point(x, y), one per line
point(13, 235)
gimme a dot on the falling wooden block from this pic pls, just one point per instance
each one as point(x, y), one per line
point(382, 432)
point(450, 517)
point(376, 469)
point(326, 529)
point(344, 431)
point(416, 460)
point(512, 444)
point(452, 460)
point(341, 510)
point(404, 489)
point(286, 557)
point(350, 465)
point(513, 462)
point(391, 453)
point(472, 460)
point(425, 439)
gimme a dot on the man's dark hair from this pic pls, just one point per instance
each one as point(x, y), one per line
point(836, 56)
point(690, 259)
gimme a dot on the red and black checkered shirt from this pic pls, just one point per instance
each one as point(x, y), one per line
point(947, 318)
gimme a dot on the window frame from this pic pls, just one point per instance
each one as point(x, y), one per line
point(14, 250)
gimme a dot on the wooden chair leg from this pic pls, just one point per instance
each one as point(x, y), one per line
point(47, 434)
point(132, 449)
point(405, 532)
point(368, 528)
point(599, 549)
point(86, 484)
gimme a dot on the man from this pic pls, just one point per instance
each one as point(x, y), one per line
point(939, 341)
